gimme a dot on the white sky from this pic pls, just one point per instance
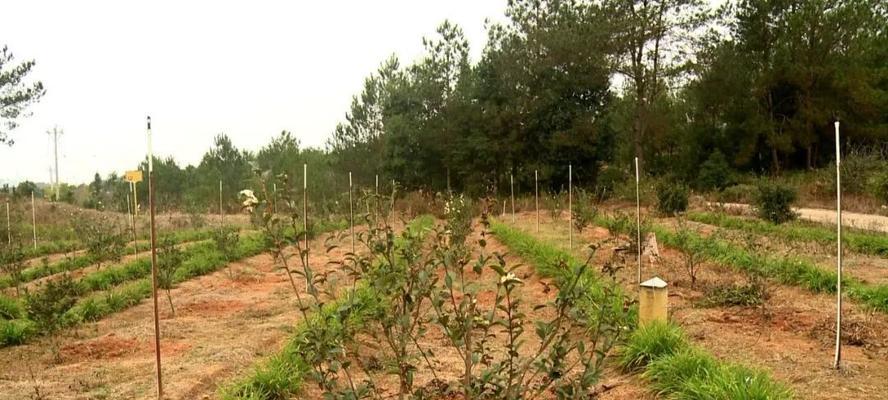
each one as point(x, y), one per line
point(249, 69)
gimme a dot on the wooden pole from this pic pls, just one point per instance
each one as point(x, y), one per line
point(512, 189)
point(536, 191)
point(638, 218)
point(570, 206)
point(351, 211)
point(34, 219)
point(838, 359)
point(152, 208)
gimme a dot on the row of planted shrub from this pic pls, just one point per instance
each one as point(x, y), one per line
point(873, 243)
point(281, 376)
point(795, 271)
point(671, 365)
point(126, 286)
point(85, 260)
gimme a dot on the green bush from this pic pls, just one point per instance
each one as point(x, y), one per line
point(608, 180)
point(878, 186)
point(15, 332)
point(740, 193)
point(715, 173)
point(672, 198)
point(774, 202)
point(10, 308)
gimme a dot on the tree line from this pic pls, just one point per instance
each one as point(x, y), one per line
point(753, 86)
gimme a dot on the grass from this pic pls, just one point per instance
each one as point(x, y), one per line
point(787, 270)
point(78, 262)
point(863, 242)
point(669, 362)
point(281, 376)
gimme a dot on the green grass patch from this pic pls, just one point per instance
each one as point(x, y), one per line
point(859, 241)
point(795, 271)
point(662, 351)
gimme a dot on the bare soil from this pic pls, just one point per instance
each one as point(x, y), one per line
point(791, 335)
point(221, 328)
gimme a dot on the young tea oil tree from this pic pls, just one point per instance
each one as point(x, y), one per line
point(226, 240)
point(169, 259)
point(12, 263)
point(584, 211)
point(103, 240)
point(47, 306)
point(692, 253)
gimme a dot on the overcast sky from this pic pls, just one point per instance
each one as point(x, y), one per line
point(249, 69)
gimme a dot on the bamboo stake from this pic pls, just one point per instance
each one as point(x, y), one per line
point(8, 225)
point(351, 211)
point(135, 210)
point(221, 213)
point(536, 191)
point(838, 358)
point(305, 209)
point(129, 213)
point(638, 218)
point(152, 207)
point(34, 219)
point(512, 189)
point(570, 206)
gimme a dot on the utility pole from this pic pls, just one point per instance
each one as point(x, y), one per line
point(55, 132)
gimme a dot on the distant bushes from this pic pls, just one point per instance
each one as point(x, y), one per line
point(715, 173)
point(740, 193)
point(672, 198)
point(774, 202)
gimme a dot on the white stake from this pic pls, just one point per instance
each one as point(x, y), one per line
point(34, 219)
point(638, 218)
point(351, 211)
point(512, 188)
point(838, 359)
point(221, 213)
point(8, 225)
point(570, 215)
point(536, 191)
point(305, 209)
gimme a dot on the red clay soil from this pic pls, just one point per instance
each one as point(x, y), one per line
point(221, 328)
point(791, 335)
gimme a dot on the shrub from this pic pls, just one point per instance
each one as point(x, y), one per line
point(714, 173)
point(650, 342)
point(608, 180)
point(774, 202)
point(169, 259)
point(672, 198)
point(741, 193)
point(878, 186)
point(747, 295)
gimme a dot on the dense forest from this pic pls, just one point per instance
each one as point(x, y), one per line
point(752, 87)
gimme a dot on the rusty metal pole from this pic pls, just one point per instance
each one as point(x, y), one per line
point(151, 208)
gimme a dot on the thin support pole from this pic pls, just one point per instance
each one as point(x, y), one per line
point(152, 208)
point(512, 188)
point(570, 215)
point(351, 211)
point(34, 219)
point(536, 191)
point(129, 213)
point(638, 218)
point(221, 212)
point(838, 358)
point(8, 225)
point(393, 201)
point(305, 210)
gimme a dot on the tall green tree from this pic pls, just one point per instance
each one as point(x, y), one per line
point(16, 94)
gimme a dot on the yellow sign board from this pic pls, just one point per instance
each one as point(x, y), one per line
point(134, 176)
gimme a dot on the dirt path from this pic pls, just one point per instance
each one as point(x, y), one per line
point(222, 326)
point(791, 335)
point(871, 222)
